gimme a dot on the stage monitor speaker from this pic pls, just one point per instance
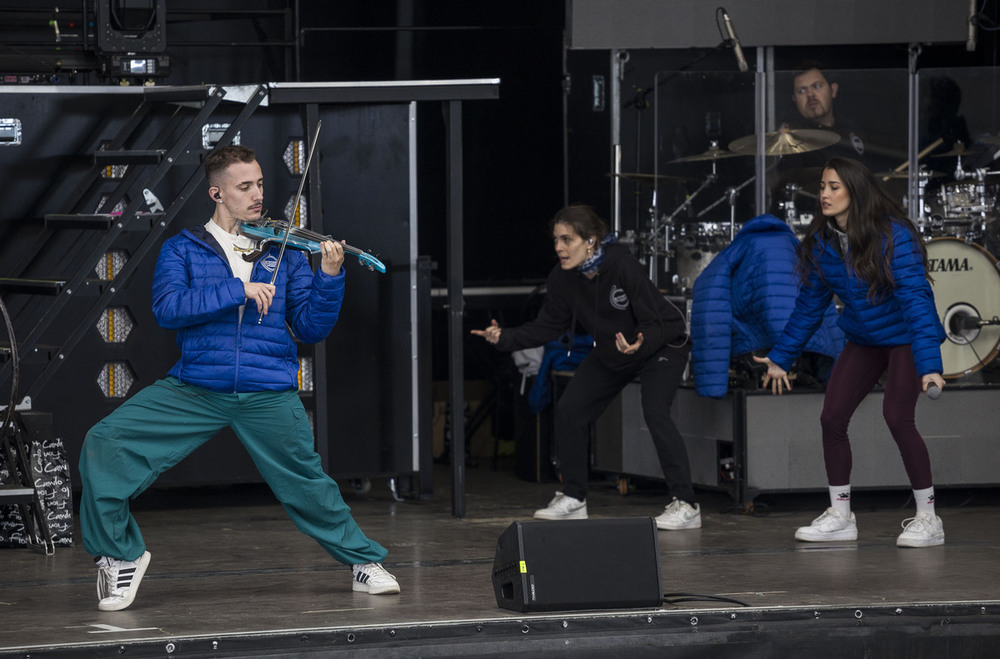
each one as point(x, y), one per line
point(578, 564)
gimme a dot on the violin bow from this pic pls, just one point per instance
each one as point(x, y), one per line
point(295, 206)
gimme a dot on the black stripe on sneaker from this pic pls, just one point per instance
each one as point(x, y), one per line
point(125, 577)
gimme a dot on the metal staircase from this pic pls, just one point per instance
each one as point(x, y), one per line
point(51, 285)
point(55, 266)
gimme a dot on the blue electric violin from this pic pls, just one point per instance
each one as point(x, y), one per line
point(266, 231)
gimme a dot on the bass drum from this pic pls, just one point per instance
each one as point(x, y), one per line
point(966, 285)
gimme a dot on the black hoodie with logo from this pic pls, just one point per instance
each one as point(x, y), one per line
point(620, 298)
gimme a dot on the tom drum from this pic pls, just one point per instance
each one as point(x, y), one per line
point(695, 249)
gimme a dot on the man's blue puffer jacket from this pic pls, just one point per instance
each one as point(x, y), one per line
point(196, 293)
point(742, 300)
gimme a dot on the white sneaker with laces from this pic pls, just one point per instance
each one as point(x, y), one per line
point(679, 515)
point(373, 579)
point(563, 507)
point(831, 526)
point(118, 581)
point(924, 530)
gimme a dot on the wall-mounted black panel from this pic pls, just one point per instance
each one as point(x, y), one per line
point(607, 24)
point(365, 170)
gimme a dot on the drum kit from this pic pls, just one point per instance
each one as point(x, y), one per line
point(686, 241)
point(960, 233)
point(960, 224)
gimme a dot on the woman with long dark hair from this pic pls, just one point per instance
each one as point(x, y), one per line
point(637, 333)
point(863, 248)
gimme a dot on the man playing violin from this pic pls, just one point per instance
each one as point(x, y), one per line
point(238, 368)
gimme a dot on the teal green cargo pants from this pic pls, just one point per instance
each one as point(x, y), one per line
point(162, 424)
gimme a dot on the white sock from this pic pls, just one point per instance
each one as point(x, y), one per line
point(925, 500)
point(840, 499)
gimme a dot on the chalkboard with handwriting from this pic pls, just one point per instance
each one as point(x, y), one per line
point(51, 476)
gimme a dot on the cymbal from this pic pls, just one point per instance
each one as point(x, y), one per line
point(650, 178)
point(992, 139)
point(958, 149)
point(923, 173)
point(714, 153)
point(786, 142)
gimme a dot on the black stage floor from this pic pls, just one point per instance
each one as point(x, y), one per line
point(231, 576)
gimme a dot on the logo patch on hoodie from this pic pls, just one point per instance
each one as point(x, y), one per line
point(269, 262)
point(618, 298)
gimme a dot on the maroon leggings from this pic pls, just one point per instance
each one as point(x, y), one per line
point(856, 371)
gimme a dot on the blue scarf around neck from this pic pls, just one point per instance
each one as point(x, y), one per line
point(593, 263)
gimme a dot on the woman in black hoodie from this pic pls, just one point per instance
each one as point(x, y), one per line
point(637, 333)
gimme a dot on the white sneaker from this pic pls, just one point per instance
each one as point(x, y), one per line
point(563, 507)
point(831, 526)
point(118, 581)
point(679, 515)
point(373, 579)
point(924, 530)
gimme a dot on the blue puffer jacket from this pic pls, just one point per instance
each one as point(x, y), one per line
point(742, 300)
point(905, 316)
point(195, 293)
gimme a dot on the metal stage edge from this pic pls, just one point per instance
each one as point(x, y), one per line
point(966, 629)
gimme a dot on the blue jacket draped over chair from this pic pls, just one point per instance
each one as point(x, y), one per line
point(742, 300)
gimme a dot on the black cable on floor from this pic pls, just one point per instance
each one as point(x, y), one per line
point(674, 598)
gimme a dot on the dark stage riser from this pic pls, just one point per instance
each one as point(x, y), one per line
point(774, 443)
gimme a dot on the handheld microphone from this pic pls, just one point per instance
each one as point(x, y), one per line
point(933, 392)
point(741, 61)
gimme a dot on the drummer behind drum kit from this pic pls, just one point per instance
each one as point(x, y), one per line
point(966, 277)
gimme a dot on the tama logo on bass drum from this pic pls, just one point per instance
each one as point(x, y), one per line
point(949, 265)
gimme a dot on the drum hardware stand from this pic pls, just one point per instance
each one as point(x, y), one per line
point(730, 196)
point(732, 193)
point(667, 224)
point(788, 206)
point(711, 178)
point(791, 213)
point(978, 209)
point(923, 178)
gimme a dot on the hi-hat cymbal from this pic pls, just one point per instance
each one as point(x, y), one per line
point(714, 153)
point(650, 178)
point(957, 149)
point(786, 141)
point(992, 139)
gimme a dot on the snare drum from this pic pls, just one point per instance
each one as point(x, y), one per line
point(966, 285)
